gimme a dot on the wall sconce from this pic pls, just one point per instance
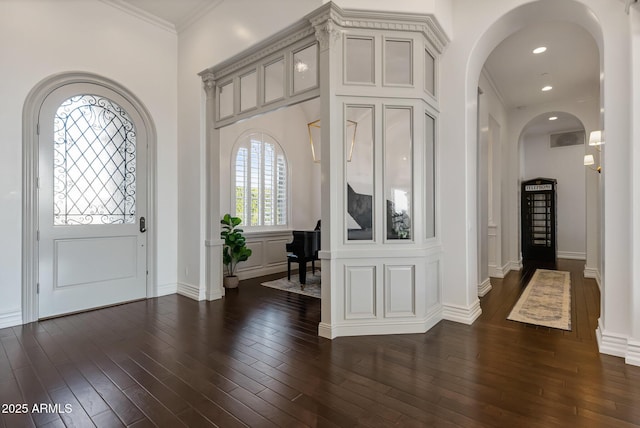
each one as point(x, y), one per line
point(588, 161)
point(596, 139)
point(314, 128)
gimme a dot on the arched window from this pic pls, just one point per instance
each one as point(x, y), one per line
point(260, 181)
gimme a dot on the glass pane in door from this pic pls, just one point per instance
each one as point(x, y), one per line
point(94, 171)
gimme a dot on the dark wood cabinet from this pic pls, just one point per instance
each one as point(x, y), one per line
point(538, 220)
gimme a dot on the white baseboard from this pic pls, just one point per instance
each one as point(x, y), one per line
point(496, 272)
point(618, 345)
point(633, 353)
point(264, 270)
point(462, 314)
point(571, 255)
point(380, 327)
point(10, 319)
point(166, 289)
point(484, 288)
point(501, 272)
point(512, 265)
point(191, 291)
point(325, 330)
point(215, 294)
point(594, 274)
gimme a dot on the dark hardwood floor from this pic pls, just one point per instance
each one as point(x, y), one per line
point(254, 359)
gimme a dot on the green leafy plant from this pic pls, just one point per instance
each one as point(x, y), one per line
point(235, 244)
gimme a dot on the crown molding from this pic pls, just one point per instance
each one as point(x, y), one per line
point(426, 24)
point(196, 15)
point(316, 23)
point(141, 14)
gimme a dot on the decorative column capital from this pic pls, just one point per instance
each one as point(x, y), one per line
point(327, 33)
point(209, 84)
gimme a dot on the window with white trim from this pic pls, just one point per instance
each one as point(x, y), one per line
point(259, 177)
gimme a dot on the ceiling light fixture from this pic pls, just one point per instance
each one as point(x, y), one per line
point(547, 88)
point(539, 50)
point(553, 118)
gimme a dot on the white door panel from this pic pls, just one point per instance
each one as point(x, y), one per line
point(91, 196)
point(93, 260)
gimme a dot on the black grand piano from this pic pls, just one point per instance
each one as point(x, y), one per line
point(304, 248)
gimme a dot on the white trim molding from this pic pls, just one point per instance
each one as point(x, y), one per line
point(166, 289)
point(572, 255)
point(461, 314)
point(509, 266)
point(593, 273)
point(387, 327)
point(141, 14)
point(496, 272)
point(191, 291)
point(484, 288)
point(633, 353)
point(502, 271)
point(618, 345)
point(10, 319)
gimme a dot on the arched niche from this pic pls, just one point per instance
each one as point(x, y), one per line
point(376, 76)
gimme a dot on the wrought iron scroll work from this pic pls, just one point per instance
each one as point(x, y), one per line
point(94, 163)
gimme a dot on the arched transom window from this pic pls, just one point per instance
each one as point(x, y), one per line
point(260, 180)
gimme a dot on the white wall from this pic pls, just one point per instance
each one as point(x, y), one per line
point(39, 38)
point(565, 165)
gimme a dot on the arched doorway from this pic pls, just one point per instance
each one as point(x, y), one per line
point(483, 33)
point(552, 145)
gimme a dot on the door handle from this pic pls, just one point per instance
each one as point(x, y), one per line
point(143, 225)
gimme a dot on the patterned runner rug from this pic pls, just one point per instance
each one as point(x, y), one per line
point(546, 301)
point(311, 288)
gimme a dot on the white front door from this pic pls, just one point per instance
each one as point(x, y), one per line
point(92, 200)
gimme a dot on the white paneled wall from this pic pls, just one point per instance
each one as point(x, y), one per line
point(268, 254)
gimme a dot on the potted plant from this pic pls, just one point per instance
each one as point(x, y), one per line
point(235, 248)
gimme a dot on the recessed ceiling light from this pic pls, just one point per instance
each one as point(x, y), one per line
point(539, 50)
point(547, 88)
point(553, 118)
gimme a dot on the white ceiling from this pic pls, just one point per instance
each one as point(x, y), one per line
point(571, 64)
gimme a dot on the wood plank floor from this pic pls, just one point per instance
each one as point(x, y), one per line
point(254, 359)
